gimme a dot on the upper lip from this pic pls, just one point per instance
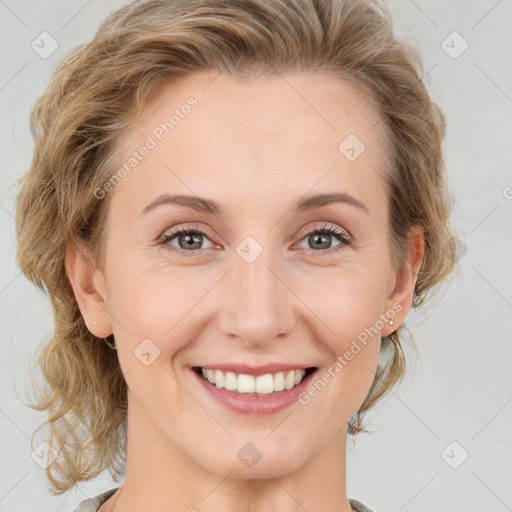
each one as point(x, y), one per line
point(248, 369)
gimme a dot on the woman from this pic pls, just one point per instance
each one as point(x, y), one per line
point(233, 207)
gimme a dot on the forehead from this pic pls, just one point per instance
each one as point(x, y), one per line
point(209, 133)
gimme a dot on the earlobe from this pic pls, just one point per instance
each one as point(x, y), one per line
point(88, 287)
point(406, 278)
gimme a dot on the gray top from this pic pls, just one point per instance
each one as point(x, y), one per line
point(93, 504)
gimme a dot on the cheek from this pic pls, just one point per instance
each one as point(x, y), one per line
point(155, 310)
point(347, 303)
point(349, 316)
point(342, 384)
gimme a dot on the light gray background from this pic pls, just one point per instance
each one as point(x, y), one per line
point(460, 387)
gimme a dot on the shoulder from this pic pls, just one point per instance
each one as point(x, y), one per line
point(359, 507)
point(92, 504)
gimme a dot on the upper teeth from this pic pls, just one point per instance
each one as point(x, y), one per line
point(262, 384)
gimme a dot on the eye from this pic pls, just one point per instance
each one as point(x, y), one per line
point(188, 240)
point(321, 238)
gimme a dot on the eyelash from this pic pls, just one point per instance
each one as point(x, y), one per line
point(342, 236)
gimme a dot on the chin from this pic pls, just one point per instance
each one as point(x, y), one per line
point(254, 460)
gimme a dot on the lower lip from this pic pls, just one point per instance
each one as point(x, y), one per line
point(253, 404)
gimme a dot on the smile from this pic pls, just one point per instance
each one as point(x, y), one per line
point(260, 385)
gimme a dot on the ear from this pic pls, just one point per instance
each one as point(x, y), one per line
point(400, 299)
point(89, 289)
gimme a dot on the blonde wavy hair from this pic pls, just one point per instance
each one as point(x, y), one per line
point(95, 94)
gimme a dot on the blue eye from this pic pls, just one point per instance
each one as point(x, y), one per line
point(190, 240)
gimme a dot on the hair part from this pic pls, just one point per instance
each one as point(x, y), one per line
point(97, 91)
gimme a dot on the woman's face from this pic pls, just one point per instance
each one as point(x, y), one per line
point(247, 286)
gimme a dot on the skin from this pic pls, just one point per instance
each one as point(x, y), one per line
point(256, 148)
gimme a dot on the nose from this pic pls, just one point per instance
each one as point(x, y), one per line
point(257, 305)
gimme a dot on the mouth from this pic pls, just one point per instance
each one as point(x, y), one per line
point(254, 385)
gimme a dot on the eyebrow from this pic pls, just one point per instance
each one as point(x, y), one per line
point(208, 206)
